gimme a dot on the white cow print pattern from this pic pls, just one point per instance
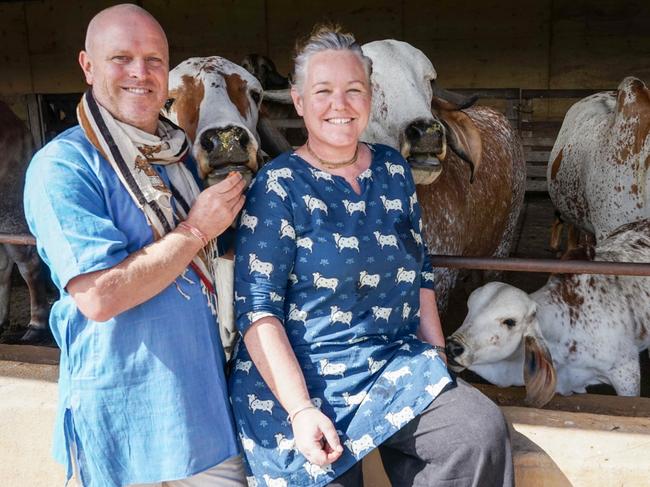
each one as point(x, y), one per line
point(341, 271)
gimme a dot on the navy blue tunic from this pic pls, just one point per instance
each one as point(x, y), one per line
point(343, 273)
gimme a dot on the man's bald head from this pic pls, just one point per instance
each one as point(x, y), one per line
point(126, 61)
point(125, 12)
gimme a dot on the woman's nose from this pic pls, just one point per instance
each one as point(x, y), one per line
point(338, 100)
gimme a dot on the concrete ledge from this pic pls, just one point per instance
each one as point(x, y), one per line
point(551, 448)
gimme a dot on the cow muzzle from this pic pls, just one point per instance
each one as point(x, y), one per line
point(224, 150)
point(427, 147)
point(455, 352)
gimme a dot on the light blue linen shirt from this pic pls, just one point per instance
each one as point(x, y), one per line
point(143, 395)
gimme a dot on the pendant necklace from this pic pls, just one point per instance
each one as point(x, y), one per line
point(333, 165)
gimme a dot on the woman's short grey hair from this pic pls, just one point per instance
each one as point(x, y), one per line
point(324, 38)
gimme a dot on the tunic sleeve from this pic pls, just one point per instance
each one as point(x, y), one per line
point(66, 211)
point(265, 251)
point(427, 275)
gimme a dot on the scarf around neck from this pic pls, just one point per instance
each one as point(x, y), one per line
point(131, 152)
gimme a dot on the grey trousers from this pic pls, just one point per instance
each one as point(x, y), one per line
point(460, 440)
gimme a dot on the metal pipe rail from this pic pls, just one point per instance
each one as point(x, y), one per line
point(17, 239)
point(542, 265)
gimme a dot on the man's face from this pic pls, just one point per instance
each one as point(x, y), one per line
point(127, 64)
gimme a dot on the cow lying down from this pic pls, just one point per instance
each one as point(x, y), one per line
point(575, 331)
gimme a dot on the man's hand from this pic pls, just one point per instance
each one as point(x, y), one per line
point(217, 206)
point(316, 437)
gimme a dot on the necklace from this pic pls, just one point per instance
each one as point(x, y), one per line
point(334, 165)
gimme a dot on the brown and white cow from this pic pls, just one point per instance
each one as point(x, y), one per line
point(15, 153)
point(217, 103)
point(598, 172)
point(575, 331)
point(448, 146)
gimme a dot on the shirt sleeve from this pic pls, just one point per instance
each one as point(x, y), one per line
point(265, 250)
point(427, 278)
point(67, 213)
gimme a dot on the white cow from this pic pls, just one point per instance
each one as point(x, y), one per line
point(400, 418)
point(296, 314)
point(385, 240)
point(395, 375)
point(256, 265)
point(328, 368)
point(577, 330)
point(380, 313)
point(338, 316)
point(346, 242)
point(324, 282)
point(316, 471)
point(352, 207)
point(356, 399)
point(597, 174)
point(305, 243)
point(394, 169)
point(357, 447)
point(248, 221)
point(370, 280)
point(375, 365)
point(314, 203)
point(286, 230)
point(404, 275)
point(255, 404)
point(395, 204)
point(284, 443)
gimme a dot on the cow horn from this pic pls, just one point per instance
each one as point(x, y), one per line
point(278, 96)
point(460, 102)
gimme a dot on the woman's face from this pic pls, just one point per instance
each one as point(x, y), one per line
point(335, 99)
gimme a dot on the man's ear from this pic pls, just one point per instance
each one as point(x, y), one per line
point(297, 100)
point(86, 66)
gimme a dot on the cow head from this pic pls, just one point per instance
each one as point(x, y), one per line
point(265, 71)
point(500, 335)
point(217, 103)
point(411, 112)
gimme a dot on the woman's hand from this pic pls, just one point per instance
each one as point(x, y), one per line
point(316, 437)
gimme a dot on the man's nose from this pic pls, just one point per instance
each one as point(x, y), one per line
point(138, 68)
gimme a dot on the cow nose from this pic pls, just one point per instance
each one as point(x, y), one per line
point(224, 139)
point(426, 136)
point(454, 348)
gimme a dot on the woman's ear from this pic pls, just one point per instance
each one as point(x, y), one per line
point(297, 100)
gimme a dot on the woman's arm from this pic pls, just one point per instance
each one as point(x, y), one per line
point(269, 347)
point(430, 329)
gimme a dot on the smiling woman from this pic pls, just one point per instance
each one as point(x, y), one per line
point(348, 342)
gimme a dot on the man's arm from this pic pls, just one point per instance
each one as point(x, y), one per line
point(103, 294)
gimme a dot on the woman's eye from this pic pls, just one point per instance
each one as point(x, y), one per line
point(121, 59)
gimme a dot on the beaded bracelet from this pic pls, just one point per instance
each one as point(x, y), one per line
point(194, 231)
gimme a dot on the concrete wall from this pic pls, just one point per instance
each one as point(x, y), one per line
point(532, 44)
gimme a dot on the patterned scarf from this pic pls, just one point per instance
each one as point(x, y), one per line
point(131, 153)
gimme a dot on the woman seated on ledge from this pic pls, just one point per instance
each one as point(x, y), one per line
point(337, 315)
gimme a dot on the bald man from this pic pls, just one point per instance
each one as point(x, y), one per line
point(119, 217)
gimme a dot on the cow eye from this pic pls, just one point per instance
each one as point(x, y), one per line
point(169, 103)
point(256, 97)
point(509, 322)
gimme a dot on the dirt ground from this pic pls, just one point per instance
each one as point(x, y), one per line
point(532, 242)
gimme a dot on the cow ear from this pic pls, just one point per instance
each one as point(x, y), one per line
point(463, 137)
point(539, 372)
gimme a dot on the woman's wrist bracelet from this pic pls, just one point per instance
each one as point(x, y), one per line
point(194, 231)
point(440, 349)
point(295, 412)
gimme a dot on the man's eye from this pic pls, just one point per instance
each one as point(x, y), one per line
point(169, 103)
